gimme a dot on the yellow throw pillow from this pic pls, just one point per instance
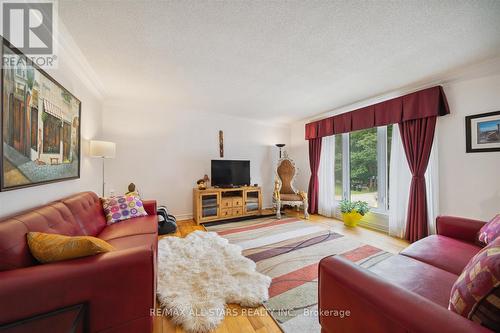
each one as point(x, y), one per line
point(52, 247)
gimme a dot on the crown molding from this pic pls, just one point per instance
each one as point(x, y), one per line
point(77, 63)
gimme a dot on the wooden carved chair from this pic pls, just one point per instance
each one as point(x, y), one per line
point(284, 191)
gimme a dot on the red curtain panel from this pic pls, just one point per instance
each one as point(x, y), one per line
point(314, 157)
point(417, 136)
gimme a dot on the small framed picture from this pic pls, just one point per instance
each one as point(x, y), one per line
point(482, 132)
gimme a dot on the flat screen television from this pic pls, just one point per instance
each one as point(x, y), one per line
point(227, 173)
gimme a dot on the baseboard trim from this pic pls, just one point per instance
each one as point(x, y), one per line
point(376, 221)
point(182, 217)
point(374, 226)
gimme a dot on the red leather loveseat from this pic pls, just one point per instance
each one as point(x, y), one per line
point(408, 292)
point(115, 289)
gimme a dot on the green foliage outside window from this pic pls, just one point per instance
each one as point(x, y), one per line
point(363, 150)
point(364, 165)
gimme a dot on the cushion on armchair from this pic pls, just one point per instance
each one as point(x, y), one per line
point(490, 231)
point(476, 292)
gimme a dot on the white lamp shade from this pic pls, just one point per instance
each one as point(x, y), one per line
point(103, 149)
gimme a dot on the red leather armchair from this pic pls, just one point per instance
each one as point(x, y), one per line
point(117, 288)
point(408, 292)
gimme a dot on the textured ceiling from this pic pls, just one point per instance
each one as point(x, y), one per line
point(275, 60)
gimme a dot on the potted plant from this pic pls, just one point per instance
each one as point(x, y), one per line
point(353, 211)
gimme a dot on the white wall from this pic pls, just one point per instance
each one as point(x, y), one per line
point(300, 149)
point(164, 151)
point(68, 74)
point(469, 183)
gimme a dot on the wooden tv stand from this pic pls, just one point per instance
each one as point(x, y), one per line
point(216, 204)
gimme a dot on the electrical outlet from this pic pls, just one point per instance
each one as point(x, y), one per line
point(111, 192)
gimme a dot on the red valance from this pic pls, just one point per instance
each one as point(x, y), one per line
point(421, 104)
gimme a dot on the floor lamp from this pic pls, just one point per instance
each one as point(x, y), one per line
point(280, 146)
point(102, 149)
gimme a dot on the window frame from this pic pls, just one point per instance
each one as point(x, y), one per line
point(342, 194)
point(382, 167)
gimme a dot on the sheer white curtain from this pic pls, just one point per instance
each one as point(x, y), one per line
point(326, 175)
point(399, 186)
point(432, 184)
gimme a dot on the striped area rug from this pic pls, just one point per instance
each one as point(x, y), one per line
point(289, 251)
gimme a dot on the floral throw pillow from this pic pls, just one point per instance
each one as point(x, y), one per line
point(476, 292)
point(122, 207)
point(490, 231)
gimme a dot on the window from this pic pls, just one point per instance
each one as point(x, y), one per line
point(389, 147)
point(362, 166)
point(338, 167)
point(51, 134)
point(34, 128)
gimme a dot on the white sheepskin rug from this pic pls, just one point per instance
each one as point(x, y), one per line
point(199, 274)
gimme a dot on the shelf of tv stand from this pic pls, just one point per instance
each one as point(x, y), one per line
point(217, 204)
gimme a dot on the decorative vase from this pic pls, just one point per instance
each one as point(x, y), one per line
point(351, 219)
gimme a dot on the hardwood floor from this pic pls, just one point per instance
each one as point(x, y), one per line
point(258, 320)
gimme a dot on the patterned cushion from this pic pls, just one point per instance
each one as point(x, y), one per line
point(490, 231)
point(52, 247)
point(475, 295)
point(122, 207)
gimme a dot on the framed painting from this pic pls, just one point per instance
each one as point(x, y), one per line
point(40, 125)
point(482, 132)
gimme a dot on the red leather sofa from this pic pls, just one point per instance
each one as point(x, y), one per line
point(116, 289)
point(408, 292)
